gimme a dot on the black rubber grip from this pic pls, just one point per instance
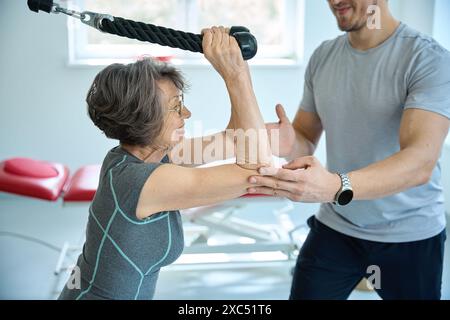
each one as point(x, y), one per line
point(44, 5)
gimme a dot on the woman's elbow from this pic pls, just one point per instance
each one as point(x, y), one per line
point(424, 175)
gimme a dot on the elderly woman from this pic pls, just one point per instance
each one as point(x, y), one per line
point(134, 225)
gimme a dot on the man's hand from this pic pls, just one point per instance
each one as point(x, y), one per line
point(301, 180)
point(223, 52)
point(286, 134)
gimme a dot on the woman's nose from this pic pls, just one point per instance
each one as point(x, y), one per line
point(186, 114)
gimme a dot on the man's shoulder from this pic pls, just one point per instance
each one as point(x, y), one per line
point(326, 49)
point(417, 43)
point(408, 34)
point(327, 46)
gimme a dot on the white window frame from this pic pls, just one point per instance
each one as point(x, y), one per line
point(82, 54)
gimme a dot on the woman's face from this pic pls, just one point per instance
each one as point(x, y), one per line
point(176, 113)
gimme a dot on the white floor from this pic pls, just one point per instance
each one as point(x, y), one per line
point(26, 266)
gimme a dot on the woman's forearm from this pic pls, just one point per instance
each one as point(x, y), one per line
point(252, 143)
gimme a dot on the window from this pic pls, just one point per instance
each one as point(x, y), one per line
point(275, 24)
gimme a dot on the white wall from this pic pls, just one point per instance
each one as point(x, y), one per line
point(441, 25)
point(416, 13)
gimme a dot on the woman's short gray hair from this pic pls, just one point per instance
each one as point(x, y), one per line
point(124, 100)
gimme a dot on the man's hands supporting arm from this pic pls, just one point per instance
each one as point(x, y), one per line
point(422, 134)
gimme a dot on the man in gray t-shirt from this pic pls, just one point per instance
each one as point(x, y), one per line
point(382, 96)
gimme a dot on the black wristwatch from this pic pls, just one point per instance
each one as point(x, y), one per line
point(345, 194)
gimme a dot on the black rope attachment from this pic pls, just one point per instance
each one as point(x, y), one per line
point(154, 34)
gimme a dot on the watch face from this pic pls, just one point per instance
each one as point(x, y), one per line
point(345, 197)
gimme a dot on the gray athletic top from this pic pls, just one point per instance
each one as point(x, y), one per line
point(122, 255)
point(360, 97)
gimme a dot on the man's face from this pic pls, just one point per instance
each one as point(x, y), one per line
point(351, 15)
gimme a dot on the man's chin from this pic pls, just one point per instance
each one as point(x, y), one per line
point(348, 27)
point(344, 24)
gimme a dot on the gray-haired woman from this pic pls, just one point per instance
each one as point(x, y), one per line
point(134, 225)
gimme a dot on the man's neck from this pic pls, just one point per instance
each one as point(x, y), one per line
point(365, 38)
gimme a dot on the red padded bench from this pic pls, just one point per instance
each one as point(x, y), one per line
point(33, 178)
point(48, 180)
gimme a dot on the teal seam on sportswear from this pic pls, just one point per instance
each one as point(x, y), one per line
point(116, 246)
point(100, 248)
point(98, 257)
point(116, 203)
point(141, 274)
point(169, 246)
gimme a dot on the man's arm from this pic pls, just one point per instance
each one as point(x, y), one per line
point(422, 134)
point(308, 130)
point(297, 139)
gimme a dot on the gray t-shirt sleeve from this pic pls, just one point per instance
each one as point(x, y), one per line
point(429, 81)
point(308, 103)
point(128, 181)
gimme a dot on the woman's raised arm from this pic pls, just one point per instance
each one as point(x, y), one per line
point(252, 143)
point(173, 187)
